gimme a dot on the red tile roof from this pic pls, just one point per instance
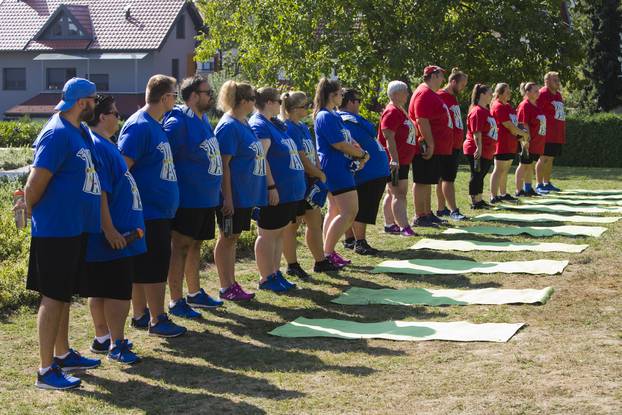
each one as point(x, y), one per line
point(146, 28)
point(42, 105)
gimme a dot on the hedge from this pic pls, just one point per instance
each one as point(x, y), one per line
point(21, 133)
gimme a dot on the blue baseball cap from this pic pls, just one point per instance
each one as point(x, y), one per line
point(75, 89)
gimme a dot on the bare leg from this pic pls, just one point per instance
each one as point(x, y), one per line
point(449, 192)
point(440, 196)
point(347, 206)
point(266, 245)
point(313, 234)
point(116, 313)
point(399, 205)
point(192, 267)
point(290, 242)
point(179, 252)
point(333, 211)
point(387, 204)
point(522, 175)
point(420, 191)
point(48, 321)
point(428, 199)
point(224, 256)
point(155, 299)
point(139, 301)
point(96, 305)
point(549, 170)
point(61, 345)
point(359, 230)
point(540, 169)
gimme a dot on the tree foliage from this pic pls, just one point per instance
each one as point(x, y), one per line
point(369, 42)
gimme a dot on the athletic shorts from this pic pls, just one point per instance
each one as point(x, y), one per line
point(276, 217)
point(448, 166)
point(196, 223)
point(403, 172)
point(426, 171)
point(56, 266)
point(302, 207)
point(369, 196)
point(505, 156)
point(531, 159)
point(342, 191)
point(241, 220)
point(553, 149)
point(152, 266)
point(109, 279)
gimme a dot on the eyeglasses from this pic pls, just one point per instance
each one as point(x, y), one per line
point(302, 107)
point(115, 113)
point(209, 92)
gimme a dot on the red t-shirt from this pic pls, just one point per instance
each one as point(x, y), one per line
point(396, 120)
point(481, 120)
point(425, 103)
point(553, 107)
point(532, 116)
point(454, 109)
point(507, 142)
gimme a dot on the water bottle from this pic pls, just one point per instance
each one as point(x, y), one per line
point(423, 146)
point(19, 209)
point(395, 176)
point(228, 226)
point(133, 235)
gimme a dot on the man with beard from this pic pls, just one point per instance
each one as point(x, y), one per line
point(63, 195)
point(199, 173)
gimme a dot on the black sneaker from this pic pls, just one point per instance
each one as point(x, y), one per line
point(348, 243)
point(508, 198)
point(295, 270)
point(324, 266)
point(534, 193)
point(485, 205)
point(495, 200)
point(100, 348)
point(362, 248)
point(522, 193)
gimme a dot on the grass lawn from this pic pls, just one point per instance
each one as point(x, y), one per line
point(567, 360)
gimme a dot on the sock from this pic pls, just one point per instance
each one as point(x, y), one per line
point(172, 304)
point(43, 370)
point(194, 294)
point(62, 356)
point(349, 240)
point(326, 255)
point(527, 187)
point(546, 183)
point(103, 338)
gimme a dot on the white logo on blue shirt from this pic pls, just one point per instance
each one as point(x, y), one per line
point(294, 158)
point(91, 179)
point(560, 113)
point(310, 150)
point(260, 159)
point(450, 123)
point(494, 132)
point(213, 154)
point(457, 116)
point(137, 204)
point(542, 129)
point(168, 167)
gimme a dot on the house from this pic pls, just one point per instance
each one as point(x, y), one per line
point(117, 44)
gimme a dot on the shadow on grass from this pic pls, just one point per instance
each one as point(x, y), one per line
point(418, 254)
point(449, 281)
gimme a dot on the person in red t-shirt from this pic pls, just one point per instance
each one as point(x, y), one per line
point(552, 104)
point(532, 117)
point(445, 190)
point(396, 133)
point(479, 146)
point(507, 144)
point(435, 128)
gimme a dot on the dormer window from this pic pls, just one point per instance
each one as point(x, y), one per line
point(64, 26)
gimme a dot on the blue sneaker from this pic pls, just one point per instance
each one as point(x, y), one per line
point(284, 282)
point(75, 361)
point(203, 300)
point(541, 189)
point(121, 353)
point(143, 322)
point(549, 186)
point(456, 215)
point(272, 283)
point(56, 379)
point(166, 328)
point(183, 310)
point(104, 347)
point(443, 212)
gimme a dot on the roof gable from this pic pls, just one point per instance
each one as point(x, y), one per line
point(62, 24)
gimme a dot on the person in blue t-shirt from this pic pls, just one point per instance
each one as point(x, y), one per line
point(149, 157)
point(294, 108)
point(371, 179)
point(243, 181)
point(286, 188)
point(62, 194)
point(109, 256)
point(340, 156)
point(199, 173)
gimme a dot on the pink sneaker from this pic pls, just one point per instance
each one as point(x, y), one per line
point(407, 231)
point(337, 260)
point(236, 293)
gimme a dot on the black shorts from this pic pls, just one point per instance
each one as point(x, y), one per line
point(553, 149)
point(152, 266)
point(109, 279)
point(403, 171)
point(342, 191)
point(531, 159)
point(302, 207)
point(196, 223)
point(426, 171)
point(369, 195)
point(241, 220)
point(276, 217)
point(448, 166)
point(56, 266)
point(505, 156)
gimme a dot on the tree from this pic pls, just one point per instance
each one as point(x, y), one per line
point(602, 70)
point(369, 42)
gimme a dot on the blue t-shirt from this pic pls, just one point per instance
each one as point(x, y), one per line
point(329, 129)
point(124, 204)
point(247, 164)
point(285, 164)
point(197, 158)
point(143, 140)
point(71, 202)
point(364, 133)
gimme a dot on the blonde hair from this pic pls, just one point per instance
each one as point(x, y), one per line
point(291, 100)
point(158, 86)
point(500, 88)
point(549, 75)
point(457, 75)
point(526, 87)
point(232, 93)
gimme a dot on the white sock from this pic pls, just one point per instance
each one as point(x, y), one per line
point(43, 370)
point(172, 304)
point(62, 356)
point(194, 294)
point(327, 254)
point(102, 339)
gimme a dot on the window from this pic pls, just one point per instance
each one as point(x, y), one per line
point(175, 68)
point(100, 80)
point(64, 27)
point(56, 77)
point(207, 66)
point(14, 79)
point(181, 27)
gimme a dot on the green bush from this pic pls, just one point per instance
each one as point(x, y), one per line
point(592, 141)
point(21, 133)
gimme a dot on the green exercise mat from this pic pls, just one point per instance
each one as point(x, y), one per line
point(600, 192)
point(544, 217)
point(537, 231)
point(561, 208)
point(572, 202)
point(584, 197)
point(459, 266)
point(460, 331)
point(422, 296)
point(474, 245)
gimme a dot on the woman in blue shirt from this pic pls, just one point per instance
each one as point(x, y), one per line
point(339, 157)
point(243, 181)
point(286, 188)
point(371, 179)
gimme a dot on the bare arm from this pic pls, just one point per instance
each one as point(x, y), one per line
point(478, 144)
point(38, 181)
point(273, 194)
point(426, 133)
point(349, 149)
point(389, 136)
point(514, 129)
point(310, 168)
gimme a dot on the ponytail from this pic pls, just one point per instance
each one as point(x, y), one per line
point(232, 93)
point(265, 94)
point(322, 91)
point(291, 100)
point(478, 90)
point(456, 75)
point(526, 87)
point(500, 88)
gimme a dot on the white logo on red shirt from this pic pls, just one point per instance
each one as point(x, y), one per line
point(542, 129)
point(450, 123)
point(560, 113)
point(494, 131)
point(412, 133)
point(457, 117)
point(514, 119)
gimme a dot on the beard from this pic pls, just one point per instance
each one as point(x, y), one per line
point(206, 106)
point(87, 114)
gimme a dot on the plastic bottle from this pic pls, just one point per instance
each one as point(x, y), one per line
point(133, 235)
point(19, 209)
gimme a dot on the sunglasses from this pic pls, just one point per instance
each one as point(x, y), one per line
point(209, 92)
point(115, 113)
